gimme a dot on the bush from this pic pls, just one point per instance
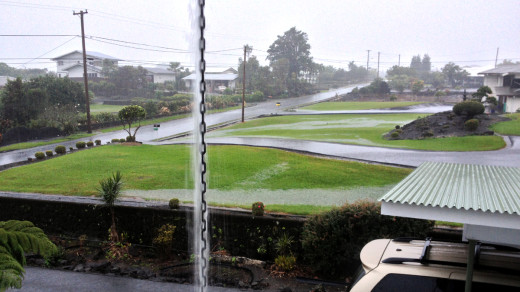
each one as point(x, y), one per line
point(285, 263)
point(71, 149)
point(471, 125)
point(115, 140)
point(122, 140)
point(468, 108)
point(130, 139)
point(60, 149)
point(49, 153)
point(332, 240)
point(90, 144)
point(39, 155)
point(257, 209)
point(164, 239)
point(394, 135)
point(174, 203)
point(98, 142)
point(80, 144)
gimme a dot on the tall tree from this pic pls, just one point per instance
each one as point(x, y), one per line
point(180, 72)
point(426, 64)
point(454, 73)
point(293, 47)
point(416, 63)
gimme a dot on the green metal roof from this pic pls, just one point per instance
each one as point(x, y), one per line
point(492, 189)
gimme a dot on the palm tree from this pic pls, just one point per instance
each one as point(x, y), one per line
point(110, 191)
point(17, 238)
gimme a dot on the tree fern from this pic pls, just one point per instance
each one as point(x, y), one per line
point(16, 239)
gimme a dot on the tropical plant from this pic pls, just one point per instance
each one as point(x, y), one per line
point(129, 115)
point(17, 238)
point(110, 191)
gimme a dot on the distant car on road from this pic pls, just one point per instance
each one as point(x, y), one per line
point(278, 104)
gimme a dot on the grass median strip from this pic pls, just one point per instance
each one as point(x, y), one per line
point(362, 129)
point(237, 169)
point(358, 105)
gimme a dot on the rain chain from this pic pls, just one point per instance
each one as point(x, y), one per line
point(202, 67)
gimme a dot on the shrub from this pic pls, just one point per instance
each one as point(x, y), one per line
point(397, 127)
point(39, 155)
point(332, 240)
point(471, 125)
point(115, 140)
point(90, 144)
point(49, 153)
point(80, 144)
point(60, 149)
point(394, 135)
point(164, 239)
point(257, 209)
point(130, 139)
point(468, 108)
point(71, 149)
point(174, 203)
point(98, 142)
point(285, 263)
point(122, 140)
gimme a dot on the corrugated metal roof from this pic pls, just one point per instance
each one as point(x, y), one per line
point(506, 69)
point(462, 186)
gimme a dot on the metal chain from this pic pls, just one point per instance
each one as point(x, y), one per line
point(202, 65)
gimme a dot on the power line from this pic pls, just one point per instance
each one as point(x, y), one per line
point(50, 50)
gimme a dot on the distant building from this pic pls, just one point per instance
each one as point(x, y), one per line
point(474, 80)
point(4, 79)
point(71, 64)
point(504, 81)
point(160, 75)
point(215, 81)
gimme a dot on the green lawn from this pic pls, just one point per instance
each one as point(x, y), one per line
point(105, 108)
point(508, 128)
point(353, 129)
point(357, 105)
point(27, 145)
point(245, 169)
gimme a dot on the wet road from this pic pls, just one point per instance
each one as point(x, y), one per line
point(147, 133)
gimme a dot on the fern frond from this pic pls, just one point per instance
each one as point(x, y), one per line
point(11, 272)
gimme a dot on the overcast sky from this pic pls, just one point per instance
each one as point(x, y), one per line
point(339, 31)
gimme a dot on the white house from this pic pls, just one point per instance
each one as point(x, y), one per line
point(71, 64)
point(215, 81)
point(160, 75)
point(504, 81)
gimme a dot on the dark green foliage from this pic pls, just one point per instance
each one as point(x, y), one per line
point(90, 144)
point(285, 263)
point(60, 149)
point(130, 139)
point(104, 117)
point(39, 155)
point(129, 115)
point(98, 142)
point(122, 140)
point(471, 124)
point(71, 149)
point(115, 140)
point(81, 144)
point(468, 108)
point(17, 238)
point(49, 153)
point(258, 209)
point(333, 240)
point(394, 135)
point(174, 203)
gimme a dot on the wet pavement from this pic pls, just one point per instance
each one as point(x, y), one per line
point(43, 280)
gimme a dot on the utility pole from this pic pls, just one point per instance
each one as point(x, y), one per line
point(247, 49)
point(496, 58)
point(399, 63)
point(378, 53)
point(85, 77)
point(368, 58)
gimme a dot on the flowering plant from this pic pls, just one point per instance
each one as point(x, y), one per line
point(257, 209)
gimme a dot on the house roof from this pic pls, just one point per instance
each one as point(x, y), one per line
point(160, 71)
point(210, 76)
point(89, 53)
point(503, 70)
point(484, 188)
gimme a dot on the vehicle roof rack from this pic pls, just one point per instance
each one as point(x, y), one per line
point(426, 251)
